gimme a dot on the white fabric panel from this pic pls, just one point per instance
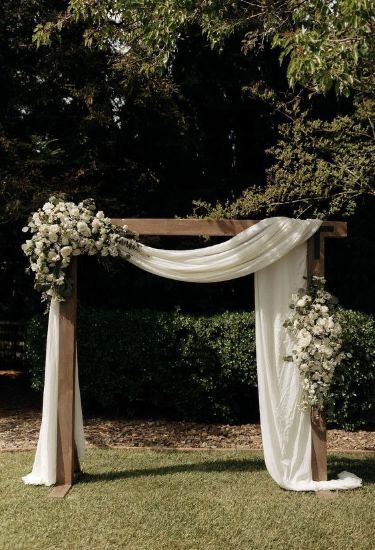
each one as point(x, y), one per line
point(274, 249)
point(251, 250)
point(44, 468)
point(286, 431)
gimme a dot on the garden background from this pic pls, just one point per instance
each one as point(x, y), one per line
point(206, 126)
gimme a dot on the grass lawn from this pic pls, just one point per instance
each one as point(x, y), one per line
point(182, 500)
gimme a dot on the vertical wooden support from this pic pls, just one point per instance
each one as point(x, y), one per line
point(66, 461)
point(315, 266)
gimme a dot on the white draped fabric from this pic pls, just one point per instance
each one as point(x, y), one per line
point(276, 250)
point(44, 469)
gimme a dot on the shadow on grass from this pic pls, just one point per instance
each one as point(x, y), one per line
point(248, 465)
point(362, 467)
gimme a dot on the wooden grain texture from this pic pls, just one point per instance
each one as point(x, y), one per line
point(65, 460)
point(318, 446)
point(315, 266)
point(195, 227)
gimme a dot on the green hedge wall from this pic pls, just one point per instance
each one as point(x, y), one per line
point(203, 368)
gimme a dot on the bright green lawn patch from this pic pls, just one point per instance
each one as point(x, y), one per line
point(182, 500)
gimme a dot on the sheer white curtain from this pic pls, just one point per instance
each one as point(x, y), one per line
point(276, 250)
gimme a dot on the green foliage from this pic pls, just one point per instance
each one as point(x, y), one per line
point(329, 43)
point(144, 362)
point(326, 43)
point(318, 168)
point(353, 389)
point(188, 367)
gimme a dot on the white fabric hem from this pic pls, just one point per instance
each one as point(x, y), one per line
point(346, 481)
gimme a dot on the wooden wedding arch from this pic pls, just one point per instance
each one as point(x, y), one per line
point(67, 464)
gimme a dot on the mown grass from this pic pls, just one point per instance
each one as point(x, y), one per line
point(174, 500)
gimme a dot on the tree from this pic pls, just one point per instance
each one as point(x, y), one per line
point(318, 168)
point(325, 43)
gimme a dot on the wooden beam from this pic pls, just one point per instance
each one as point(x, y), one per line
point(212, 228)
point(65, 459)
point(315, 266)
point(226, 228)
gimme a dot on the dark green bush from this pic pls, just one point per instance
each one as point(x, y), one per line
point(147, 363)
point(353, 389)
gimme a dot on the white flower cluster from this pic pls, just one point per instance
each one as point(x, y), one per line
point(61, 230)
point(317, 336)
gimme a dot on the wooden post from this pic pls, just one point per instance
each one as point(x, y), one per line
point(66, 461)
point(315, 266)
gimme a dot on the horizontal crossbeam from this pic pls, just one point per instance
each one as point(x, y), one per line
point(211, 228)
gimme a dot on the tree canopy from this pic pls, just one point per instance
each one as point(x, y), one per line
point(325, 43)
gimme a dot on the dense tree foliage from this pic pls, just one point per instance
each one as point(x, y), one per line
point(198, 109)
point(327, 43)
point(324, 45)
point(319, 167)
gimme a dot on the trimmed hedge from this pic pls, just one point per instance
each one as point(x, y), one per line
point(203, 368)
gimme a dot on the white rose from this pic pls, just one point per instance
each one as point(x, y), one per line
point(48, 207)
point(83, 228)
point(74, 211)
point(327, 350)
point(66, 251)
point(304, 338)
point(44, 229)
point(36, 219)
point(330, 323)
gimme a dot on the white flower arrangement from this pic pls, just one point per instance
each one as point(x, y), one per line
point(62, 230)
point(318, 342)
